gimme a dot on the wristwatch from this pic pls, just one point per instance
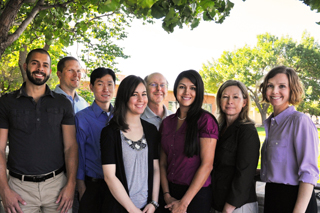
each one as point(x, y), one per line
point(155, 204)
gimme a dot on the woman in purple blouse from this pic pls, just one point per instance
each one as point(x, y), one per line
point(188, 141)
point(290, 151)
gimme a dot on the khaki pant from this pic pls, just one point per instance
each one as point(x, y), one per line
point(39, 196)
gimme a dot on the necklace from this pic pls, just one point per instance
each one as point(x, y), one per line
point(137, 145)
point(181, 119)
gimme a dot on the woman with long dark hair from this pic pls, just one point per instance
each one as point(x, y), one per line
point(188, 141)
point(290, 151)
point(129, 153)
point(237, 152)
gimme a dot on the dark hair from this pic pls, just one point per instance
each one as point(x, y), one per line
point(100, 72)
point(191, 146)
point(126, 89)
point(244, 114)
point(39, 50)
point(295, 85)
point(62, 62)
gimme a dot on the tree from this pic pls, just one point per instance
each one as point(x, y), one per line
point(17, 15)
point(250, 64)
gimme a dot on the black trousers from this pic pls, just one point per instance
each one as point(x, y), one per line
point(281, 198)
point(201, 203)
point(94, 195)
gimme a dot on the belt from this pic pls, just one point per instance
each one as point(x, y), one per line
point(94, 180)
point(36, 178)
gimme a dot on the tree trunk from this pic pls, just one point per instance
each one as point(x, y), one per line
point(263, 108)
point(22, 60)
point(7, 18)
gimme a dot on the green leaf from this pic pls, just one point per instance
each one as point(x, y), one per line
point(157, 11)
point(195, 23)
point(108, 6)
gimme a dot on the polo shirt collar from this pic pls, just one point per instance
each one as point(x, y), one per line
point(22, 91)
point(150, 114)
point(98, 111)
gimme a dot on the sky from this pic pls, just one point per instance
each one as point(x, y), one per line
point(151, 49)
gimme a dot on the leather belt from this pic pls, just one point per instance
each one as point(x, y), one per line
point(93, 180)
point(36, 178)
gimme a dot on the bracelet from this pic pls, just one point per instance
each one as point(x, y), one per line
point(155, 204)
point(166, 193)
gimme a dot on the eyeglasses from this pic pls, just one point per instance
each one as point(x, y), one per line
point(156, 85)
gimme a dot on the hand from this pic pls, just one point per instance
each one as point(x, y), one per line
point(168, 199)
point(11, 201)
point(149, 208)
point(65, 198)
point(81, 188)
point(177, 207)
point(228, 208)
point(135, 210)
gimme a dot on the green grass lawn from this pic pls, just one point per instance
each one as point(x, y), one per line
point(262, 136)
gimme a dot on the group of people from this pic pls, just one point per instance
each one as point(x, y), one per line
point(137, 156)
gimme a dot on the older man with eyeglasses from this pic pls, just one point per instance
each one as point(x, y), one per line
point(157, 89)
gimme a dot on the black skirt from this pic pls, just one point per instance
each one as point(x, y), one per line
point(281, 198)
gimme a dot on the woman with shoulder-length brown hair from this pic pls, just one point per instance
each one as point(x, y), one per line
point(237, 152)
point(290, 151)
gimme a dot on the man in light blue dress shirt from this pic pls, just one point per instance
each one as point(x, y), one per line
point(89, 123)
point(69, 74)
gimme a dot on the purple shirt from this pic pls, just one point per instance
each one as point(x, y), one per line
point(290, 151)
point(180, 168)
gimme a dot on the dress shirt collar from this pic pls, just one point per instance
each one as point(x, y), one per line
point(59, 90)
point(279, 119)
point(22, 91)
point(98, 111)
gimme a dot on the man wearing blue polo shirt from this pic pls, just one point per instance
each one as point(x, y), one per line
point(69, 74)
point(89, 123)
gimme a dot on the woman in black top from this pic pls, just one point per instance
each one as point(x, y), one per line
point(129, 153)
point(237, 152)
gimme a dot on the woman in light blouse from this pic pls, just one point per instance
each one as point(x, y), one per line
point(188, 141)
point(290, 151)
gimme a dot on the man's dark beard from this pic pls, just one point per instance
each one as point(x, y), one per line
point(35, 80)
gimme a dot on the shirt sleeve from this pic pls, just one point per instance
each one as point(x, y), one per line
point(108, 145)
point(4, 119)
point(247, 156)
point(208, 127)
point(81, 140)
point(68, 116)
point(306, 144)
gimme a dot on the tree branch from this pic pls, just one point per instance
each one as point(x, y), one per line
point(25, 23)
point(39, 7)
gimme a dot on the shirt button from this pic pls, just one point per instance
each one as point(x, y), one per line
point(271, 124)
point(276, 143)
point(38, 119)
point(171, 145)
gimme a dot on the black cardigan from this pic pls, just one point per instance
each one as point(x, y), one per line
point(235, 164)
point(111, 140)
